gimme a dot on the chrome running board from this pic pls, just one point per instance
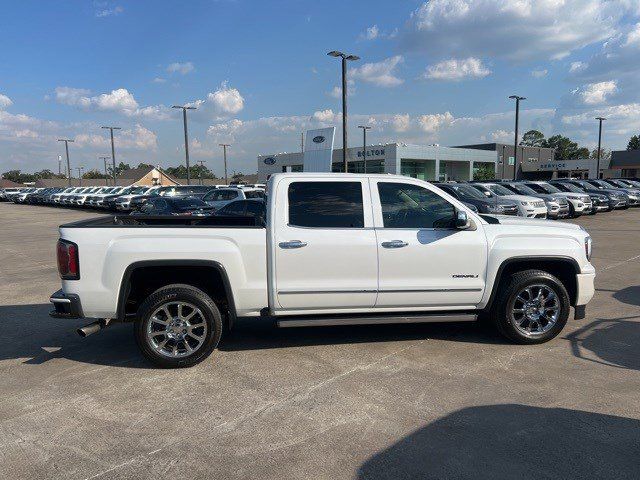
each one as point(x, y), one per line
point(319, 321)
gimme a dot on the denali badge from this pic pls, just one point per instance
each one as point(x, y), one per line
point(318, 139)
point(464, 276)
point(269, 161)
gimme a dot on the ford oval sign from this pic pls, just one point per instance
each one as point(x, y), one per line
point(269, 161)
point(318, 139)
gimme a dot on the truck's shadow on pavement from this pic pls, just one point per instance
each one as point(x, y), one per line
point(30, 334)
point(513, 441)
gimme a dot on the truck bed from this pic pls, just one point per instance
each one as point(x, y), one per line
point(132, 221)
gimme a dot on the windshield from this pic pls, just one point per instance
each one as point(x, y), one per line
point(499, 189)
point(137, 190)
point(468, 191)
point(521, 189)
point(572, 188)
point(549, 188)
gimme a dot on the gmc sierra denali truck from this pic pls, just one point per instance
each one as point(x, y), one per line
point(336, 249)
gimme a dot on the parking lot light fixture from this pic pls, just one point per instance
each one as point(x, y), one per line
point(186, 137)
point(600, 120)
point(113, 152)
point(344, 57)
point(66, 147)
point(517, 98)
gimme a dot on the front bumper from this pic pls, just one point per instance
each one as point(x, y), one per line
point(586, 288)
point(66, 305)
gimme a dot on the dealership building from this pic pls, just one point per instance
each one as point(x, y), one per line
point(426, 162)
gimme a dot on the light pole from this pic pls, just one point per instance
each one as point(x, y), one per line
point(364, 144)
point(59, 164)
point(106, 175)
point(600, 120)
point(66, 147)
point(80, 168)
point(224, 153)
point(186, 138)
point(201, 162)
point(344, 57)
point(515, 141)
point(113, 152)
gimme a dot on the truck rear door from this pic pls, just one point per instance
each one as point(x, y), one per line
point(324, 246)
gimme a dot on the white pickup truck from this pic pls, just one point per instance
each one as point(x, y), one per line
point(337, 249)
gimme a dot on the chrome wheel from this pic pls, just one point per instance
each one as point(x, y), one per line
point(535, 310)
point(176, 329)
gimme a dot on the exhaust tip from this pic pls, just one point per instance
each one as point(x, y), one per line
point(90, 329)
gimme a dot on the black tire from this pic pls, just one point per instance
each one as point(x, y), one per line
point(169, 295)
point(510, 288)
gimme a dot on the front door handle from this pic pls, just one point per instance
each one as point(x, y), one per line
point(292, 244)
point(395, 244)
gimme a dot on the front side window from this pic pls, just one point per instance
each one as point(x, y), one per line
point(411, 206)
point(326, 204)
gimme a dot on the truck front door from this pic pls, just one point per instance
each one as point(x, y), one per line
point(424, 261)
point(324, 245)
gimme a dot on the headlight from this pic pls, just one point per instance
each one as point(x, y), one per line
point(524, 203)
point(588, 244)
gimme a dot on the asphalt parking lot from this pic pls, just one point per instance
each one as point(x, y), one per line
point(401, 401)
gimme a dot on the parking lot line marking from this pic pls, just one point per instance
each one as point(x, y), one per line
point(617, 264)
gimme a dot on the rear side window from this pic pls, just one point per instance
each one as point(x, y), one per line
point(254, 194)
point(326, 204)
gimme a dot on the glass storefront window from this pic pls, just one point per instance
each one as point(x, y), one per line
point(373, 166)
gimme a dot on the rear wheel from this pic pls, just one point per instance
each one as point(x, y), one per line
point(532, 307)
point(178, 326)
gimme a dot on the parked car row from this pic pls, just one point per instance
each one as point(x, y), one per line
point(553, 199)
point(130, 197)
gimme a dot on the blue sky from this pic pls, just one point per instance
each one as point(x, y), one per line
point(430, 72)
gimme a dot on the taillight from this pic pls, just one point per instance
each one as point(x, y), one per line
point(68, 265)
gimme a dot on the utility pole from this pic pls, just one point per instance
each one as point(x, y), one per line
point(186, 138)
point(113, 152)
point(224, 150)
point(302, 142)
point(344, 57)
point(201, 162)
point(515, 141)
point(364, 144)
point(106, 174)
point(80, 168)
point(59, 164)
point(600, 119)
point(66, 147)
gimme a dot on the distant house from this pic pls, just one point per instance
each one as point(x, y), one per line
point(4, 183)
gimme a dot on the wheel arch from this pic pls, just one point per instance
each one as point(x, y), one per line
point(562, 267)
point(140, 278)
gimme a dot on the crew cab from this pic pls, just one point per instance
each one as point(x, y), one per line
point(336, 249)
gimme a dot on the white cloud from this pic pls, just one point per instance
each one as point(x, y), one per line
point(513, 29)
point(181, 68)
point(577, 67)
point(104, 9)
point(159, 80)
point(381, 73)
point(457, 69)
point(501, 135)
point(119, 100)
point(633, 37)
point(5, 102)
point(136, 138)
point(595, 93)
point(372, 33)
point(540, 73)
point(434, 122)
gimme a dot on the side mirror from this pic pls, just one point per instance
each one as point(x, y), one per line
point(462, 220)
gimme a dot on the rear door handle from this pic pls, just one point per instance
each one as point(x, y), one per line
point(395, 244)
point(292, 244)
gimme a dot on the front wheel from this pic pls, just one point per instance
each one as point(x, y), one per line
point(532, 307)
point(178, 326)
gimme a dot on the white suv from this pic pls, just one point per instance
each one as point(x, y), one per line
point(530, 207)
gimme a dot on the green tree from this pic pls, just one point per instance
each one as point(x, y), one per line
point(119, 168)
point(17, 176)
point(605, 153)
point(484, 171)
point(566, 149)
point(532, 138)
point(194, 170)
point(634, 143)
point(95, 173)
point(145, 165)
